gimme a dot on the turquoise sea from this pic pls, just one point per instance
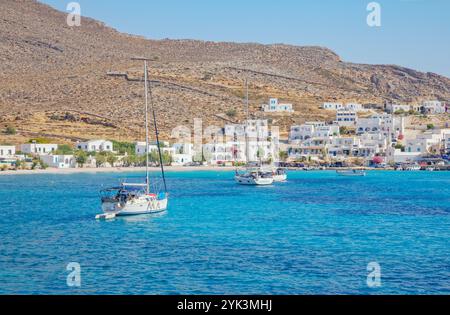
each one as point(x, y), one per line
point(315, 234)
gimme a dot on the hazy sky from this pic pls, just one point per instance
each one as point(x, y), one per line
point(413, 33)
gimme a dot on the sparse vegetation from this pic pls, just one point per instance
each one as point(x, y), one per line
point(10, 130)
point(283, 155)
point(124, 147)
point(400, 147)
point(231, 113)
point(64, 149)
point(39, 140)
point(154, 157)
point(81, 158)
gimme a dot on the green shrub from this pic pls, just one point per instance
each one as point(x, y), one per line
point(124, 147)
point(10, 130)
point(231, 113)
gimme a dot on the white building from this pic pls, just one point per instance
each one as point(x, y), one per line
point(234, 130)
point(385, 124)
point(356, 107)
point(312, 130)
point(141, 150)
point(38, 148)
point(314, 148)
point(96, 146)
point(332, 106)
point(7, 151)
point(341, 147)
point(275, 107)
point(183, 153)
point(447, 142)
point(59, 161)
point(394, 108)
point(397, 156)
point(181, 159)
point(428, 142)
point(232, 151)
point(346, 118)
point(374, 140)
point(301, 132)
point(433, 107)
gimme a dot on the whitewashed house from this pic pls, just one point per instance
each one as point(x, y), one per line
point(312, 130)
point(385, 124)
point(433, 107)
point(346, 118)
point(219, 153)
point(141, 150)
point(275, 107)
point(394, 156)
point(356, 107)
point(59, 161)
point(428, 142)
point(95, 146)
point(342, 147)
point(258, 129)
point(326, 131)
point(183, 153)
point(374, 140)
point(301, 132)
point(7, 151)
point(447, 142)
point(38, 148)
point(232, 151)
point(234, 131)
point(394, 108)
point(332, 106)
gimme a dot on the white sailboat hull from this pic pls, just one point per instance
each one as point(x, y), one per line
point(280, 178)
point(135, 207)
point(244, 180)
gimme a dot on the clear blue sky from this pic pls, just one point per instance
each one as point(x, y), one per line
point(414, 33)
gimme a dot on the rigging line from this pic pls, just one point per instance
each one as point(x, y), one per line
point(157, 135)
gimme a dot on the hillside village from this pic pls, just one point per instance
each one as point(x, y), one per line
point(379, 136)
point(72, 97)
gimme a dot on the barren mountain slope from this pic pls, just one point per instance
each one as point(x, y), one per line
point(55, 83)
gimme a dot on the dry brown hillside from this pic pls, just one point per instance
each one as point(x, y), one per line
point(54, 80)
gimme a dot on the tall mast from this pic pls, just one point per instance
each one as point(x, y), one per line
point(246, 122)
point(147, 90)
point(157, 142)
point(147, 180)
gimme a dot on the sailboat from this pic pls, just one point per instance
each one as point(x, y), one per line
point(255, 176)
point(137, 198)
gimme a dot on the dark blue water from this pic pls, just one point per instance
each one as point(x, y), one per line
point(315, 234)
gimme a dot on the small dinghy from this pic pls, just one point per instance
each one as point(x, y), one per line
point(351, 173)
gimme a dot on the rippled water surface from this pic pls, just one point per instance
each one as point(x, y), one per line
point(315, 234)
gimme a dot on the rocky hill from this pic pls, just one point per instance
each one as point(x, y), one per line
point(75, 83)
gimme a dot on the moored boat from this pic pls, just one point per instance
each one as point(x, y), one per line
point(137, 198)
point(351, 173)
point(254, 176)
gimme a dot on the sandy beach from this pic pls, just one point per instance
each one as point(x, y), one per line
point(70, 171)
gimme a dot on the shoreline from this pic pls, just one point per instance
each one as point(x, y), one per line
point(168, 169)
point(70, 171)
